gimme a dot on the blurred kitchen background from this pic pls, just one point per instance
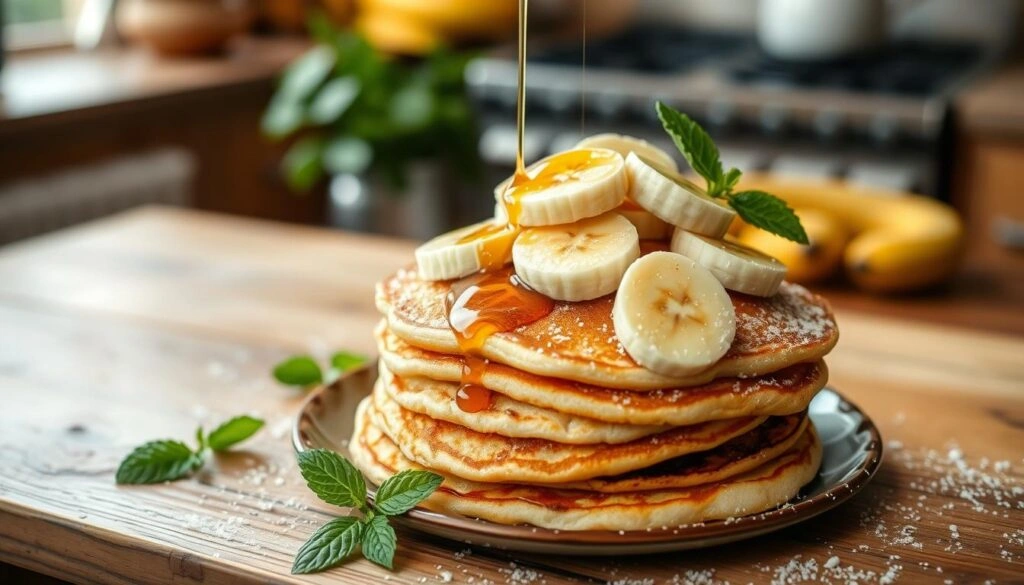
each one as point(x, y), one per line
point(397, 116)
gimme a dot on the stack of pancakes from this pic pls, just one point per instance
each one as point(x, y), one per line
point(580, 437)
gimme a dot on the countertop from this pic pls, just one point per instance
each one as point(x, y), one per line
point(50, 88)
point(146, 324)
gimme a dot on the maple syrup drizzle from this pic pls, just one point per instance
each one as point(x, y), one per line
point(495, 300)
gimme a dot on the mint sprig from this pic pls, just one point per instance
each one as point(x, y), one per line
point(768, 212)
point(304, 371)
point(336, 481)
point(168, 460)
point(758, 208)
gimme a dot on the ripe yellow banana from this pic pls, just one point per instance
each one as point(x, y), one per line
point(451, 18)
point(397, 33)
point(899, 242)
point(804, 264)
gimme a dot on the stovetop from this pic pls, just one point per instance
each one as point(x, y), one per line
point(915, 68)
point(905, 68)
point(724, 79)
point(648, 50)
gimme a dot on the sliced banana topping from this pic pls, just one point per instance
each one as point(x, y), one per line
point(672, 315)
point(648, 226)
point(627, 144)
point(567, 187)
point(736, 266)
point(579, 261)
point(465, 251)
point(674, 199)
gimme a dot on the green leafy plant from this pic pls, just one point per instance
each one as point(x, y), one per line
point(758, 208)
point(355, 110)
point(336, 481)
point(167, 460)
point(304, 371)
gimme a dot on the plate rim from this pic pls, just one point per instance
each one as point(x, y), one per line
point(603, 541)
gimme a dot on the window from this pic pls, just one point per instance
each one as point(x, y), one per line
point(33, 23)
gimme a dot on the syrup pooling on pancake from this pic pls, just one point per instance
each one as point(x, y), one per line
point(480, 306)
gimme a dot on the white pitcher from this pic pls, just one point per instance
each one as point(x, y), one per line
point(811, 30)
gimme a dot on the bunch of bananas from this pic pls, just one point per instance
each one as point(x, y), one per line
point(889, 242)
point(415, 27)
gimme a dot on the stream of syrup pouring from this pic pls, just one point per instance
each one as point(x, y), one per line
point(495, 299)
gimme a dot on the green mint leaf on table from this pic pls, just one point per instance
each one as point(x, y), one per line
point(332, 478)
point(379, 541)
point(167, 460)
point(298, 371)
point(336, 481)
point(696, 145)
point(401, 492)
point(344, 361)
point(232, 432)
point(768, 212)
point(158, 461)
point(330, 544)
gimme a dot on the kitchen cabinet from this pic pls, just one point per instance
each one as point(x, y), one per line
point(988, 168)
point(69, 110)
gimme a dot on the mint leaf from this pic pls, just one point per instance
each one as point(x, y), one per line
point(158, 461)
point(232, 432)
point(332, 478)
point(768, 212)
point(400, 493)
point(298, 371)
point(307, 73)
point(302, 163)
point(344, 361)
point(333, 99)
point(695, 144)
point(200, 439)
point(379, 541)
point(328, 546)
point(730, 179)
point(283, 116)
point(347, 155)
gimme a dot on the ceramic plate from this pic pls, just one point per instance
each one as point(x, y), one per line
point(852, 454)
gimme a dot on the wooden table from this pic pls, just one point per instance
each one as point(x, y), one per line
point(146, 324)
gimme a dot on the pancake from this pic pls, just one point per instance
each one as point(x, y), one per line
point(576, 341)
point(744, 453)
point(442, 446)
point(760, 489)
point(505, 416)
point(784, 392)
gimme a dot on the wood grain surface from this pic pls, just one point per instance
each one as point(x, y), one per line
point(144, 325)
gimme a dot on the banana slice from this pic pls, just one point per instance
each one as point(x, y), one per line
point(577, 262)
point(676, 200)
point(567, 187)
point(648, 227)
point(465, 251)
point(627, 144)
point(672, 315)
point(736, 266)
